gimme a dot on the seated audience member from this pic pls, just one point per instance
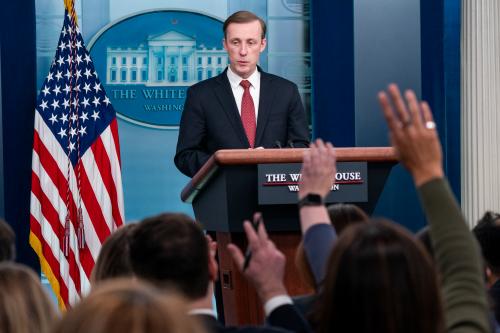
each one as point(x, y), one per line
point(128, 306)
point(341, 216)
point(487, 232)
point(171, 251)
point(7, 242)
point(379, 279)
point(344, 214)
point(114, 258)
point(24, 305)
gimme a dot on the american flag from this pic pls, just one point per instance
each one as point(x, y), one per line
point(76, 187)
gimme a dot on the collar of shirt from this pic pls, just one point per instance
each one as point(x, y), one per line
point(234, 81)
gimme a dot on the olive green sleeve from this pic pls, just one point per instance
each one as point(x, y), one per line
point(458, 260)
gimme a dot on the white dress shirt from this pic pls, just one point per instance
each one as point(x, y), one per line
point(238, 90)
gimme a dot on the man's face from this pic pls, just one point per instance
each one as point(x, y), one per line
point(244, 43)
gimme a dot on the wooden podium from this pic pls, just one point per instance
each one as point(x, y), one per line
point(225, 192)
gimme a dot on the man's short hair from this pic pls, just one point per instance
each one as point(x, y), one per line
point(487, 232)
point(244, 16)
point(170, 250)
point(7, 242)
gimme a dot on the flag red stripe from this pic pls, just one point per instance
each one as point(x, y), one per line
point(51, 215)
point(92, 204)
point(102, 161)
point(55, 174)
point(49, 256)
point(114, 133)
point(59, 180)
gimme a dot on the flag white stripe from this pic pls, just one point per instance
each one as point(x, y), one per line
point(50, 190)
point(109, 146)
point(100, 191)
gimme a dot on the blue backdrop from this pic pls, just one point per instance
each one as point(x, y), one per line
point(356, 49)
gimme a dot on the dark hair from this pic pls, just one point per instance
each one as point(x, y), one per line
point(170, 250)
point(244, 16)
point(342, 215)
point(487, 232)
point(24, 303)
point(380, 279)
point(7, 242)
point(114, 258)
point(128, 306)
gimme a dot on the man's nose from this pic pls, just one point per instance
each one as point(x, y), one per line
point(243, 49)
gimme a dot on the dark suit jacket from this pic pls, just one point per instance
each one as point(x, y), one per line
point(284, 319)
point(210, 120)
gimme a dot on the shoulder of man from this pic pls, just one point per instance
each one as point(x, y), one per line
point(205, 84)
point(277, 79)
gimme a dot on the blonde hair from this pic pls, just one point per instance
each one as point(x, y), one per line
point(128, 306)
point(25, 307)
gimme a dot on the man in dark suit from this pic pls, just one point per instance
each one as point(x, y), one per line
point(243, 107)
point(171, 251)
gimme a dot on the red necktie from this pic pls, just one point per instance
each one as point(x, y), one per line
point(248, 113)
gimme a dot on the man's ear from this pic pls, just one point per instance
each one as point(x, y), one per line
point(263, 44)
point(224, 43)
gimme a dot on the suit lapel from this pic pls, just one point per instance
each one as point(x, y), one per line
point(265, 102)
point(226, 98)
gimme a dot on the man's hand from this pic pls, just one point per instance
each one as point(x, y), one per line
point(266, 268)
point(318, 169)
point(413, 134)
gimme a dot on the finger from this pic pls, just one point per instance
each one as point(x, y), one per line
point(236, 255)
point(416, 115)
point(252, 237)
point(306, 158)
point(393, 123)
point(399, 103)
point(213, 248)
point(426, 111)
point(262, 231)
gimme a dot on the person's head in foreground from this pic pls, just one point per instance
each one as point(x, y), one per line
point(114, 258)
point(128, 306)
point(487, 232)
point(379, 279)
point(170, 250)
point(7, 242)
point(25, 307)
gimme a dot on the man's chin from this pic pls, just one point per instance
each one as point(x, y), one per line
point(244, 71)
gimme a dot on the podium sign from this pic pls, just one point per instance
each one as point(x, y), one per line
point(278, 183)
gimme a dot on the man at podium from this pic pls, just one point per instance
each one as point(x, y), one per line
point(243, 107)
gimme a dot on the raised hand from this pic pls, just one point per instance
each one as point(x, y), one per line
point(266, 268)
point(413, 134)
point(318, 169)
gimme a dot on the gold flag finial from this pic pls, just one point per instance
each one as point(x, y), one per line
point(70, 7)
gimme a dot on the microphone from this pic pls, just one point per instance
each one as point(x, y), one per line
point(290, 144)
point(277, 143)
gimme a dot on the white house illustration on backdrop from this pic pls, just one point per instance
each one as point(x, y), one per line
point(168, 59)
